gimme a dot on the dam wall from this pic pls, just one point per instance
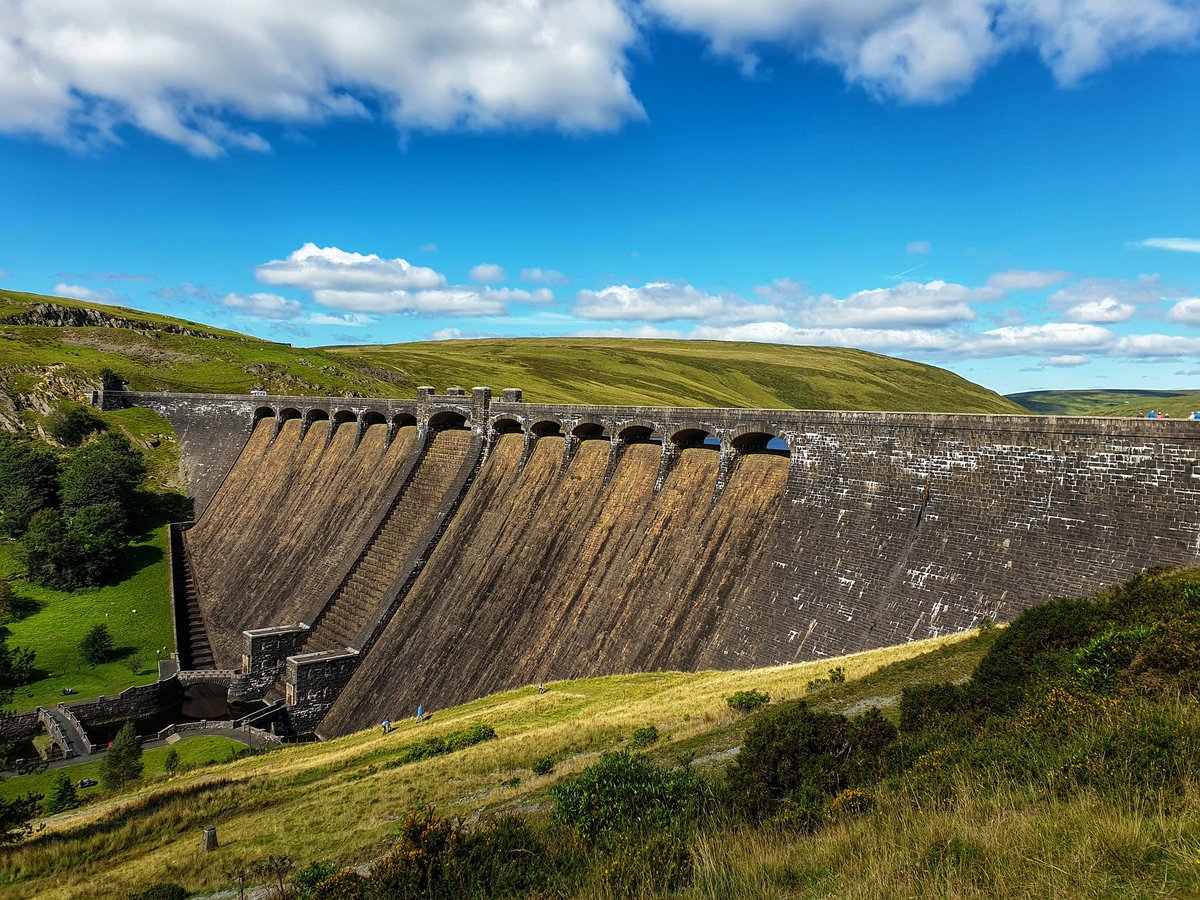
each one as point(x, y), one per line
point(596, 540)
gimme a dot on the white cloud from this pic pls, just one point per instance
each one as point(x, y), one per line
point(263, 306)
point(1066, 361)
point(347, 320)
point(543, 276)
point(314, 268)
point(1179, 244)
point(1143, 346)
point(446, 334)
point(918, 248)
point(929, 50)
point(451, 301)
point(1051, 339)
point(537, 297)
point(107, 296)
point(76, 71)
point(651, 332)
point(1102, 311)
point(1186, 311)
point(487, 273)
point(911, 303)
point(1027, 280)
point(1093, 293)
point(661, 301)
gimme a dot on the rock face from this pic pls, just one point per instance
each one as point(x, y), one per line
point(593, 541)
point(54, 315)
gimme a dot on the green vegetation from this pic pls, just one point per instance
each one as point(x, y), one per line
point(62, 795)
point(97, 646)
point(1110, 403)
point(747, 701)
point(122, 763)
point(69, 423)
point(192, 753)
point(572, 370)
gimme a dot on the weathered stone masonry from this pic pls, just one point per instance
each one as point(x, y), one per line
point(579, 540)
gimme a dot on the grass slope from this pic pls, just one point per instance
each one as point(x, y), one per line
point(1112, 403)
point(136, 609)
point(295, 801)
point(685, 373)
point(570, 370)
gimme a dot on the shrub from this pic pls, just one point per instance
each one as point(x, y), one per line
point(626, 792)
point(28, 483)
point(108, 470)
point(504, 858)
point(643, 737)
point(123, 761)
point(941, 708)
point(849, 804)
point(424, 860)
point(62, 795)
point(747, 701)
point(1099, 660)
point(16, 816)
point(171, 763)
point(70, 423)
point(543, 765)
point(164, 890)
point(16, 667)
point(837, 675)
point(791, 748)
point(97, 645)
point(307, 879)
point(436, 746)
point(1168, 661)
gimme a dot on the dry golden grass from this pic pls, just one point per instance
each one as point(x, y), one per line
point(340, 800)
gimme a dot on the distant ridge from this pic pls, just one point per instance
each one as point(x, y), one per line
point(1115, 402)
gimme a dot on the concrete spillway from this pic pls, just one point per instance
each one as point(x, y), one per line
point(500, 543)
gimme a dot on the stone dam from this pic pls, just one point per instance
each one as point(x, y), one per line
point(353, 558)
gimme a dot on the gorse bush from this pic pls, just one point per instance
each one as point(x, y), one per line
point(543, 765)
point(436, 746)
point(627, 793)
point(747, 701)
point(643, 737)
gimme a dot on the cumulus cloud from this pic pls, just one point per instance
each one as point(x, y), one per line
point(650, 332)
point(262, 306)
point(451, 301)
point(352, 320)
point(934, 304)
point(1148, 346)
point(78, 70)
point(884, 340)
point(106, 296)
point(918, 248)
point(929, 50)
point(1107, 299)
point(1186, 311)
point(1027, 280)
point(313, 268)
point(1066, 361)
point(1178, 244)
point(543, 276)
point(661, 301)
point(1107, 309)
point(487, 273)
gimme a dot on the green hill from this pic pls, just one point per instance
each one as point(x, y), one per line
point(51, 347)
point(1113, 403)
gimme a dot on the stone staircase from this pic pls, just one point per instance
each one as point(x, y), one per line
point(193, 647)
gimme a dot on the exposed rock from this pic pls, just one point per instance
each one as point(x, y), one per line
point(53, 315)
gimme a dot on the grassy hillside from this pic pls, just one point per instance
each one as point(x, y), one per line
point(147, 351)
point(684, 373)
point(1114, 403)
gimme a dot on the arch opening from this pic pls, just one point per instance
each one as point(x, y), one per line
point(761, 442)
point(263, 412)
point(589, 431)
point(691, 438)
point(404, 420)
point(345, 415)
point(506, 426)
point(447, 419)
point(546, 428)
point(639, 434)
point(289, 413)
point(316, 415)
point(373, 417)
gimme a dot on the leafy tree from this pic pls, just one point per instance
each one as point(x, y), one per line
point(62, 795)
point(28, 482)
point(16, 816)
point(7, 600)
point(107, 470)
point(123, 761)
point(97, 645)
point(16, 667)
point(70, 423)
point(171, 763)
point(110, 380)
point(76, 552)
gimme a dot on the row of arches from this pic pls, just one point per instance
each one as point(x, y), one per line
point(441, 420)
point(686, 437)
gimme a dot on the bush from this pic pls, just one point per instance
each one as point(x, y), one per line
point(626, 793)
point(436, 746)
point(171, 763)
point(1100, 660)
point(543, 765)
point(643, 737)
point(941, 708)
point(16, 816)
point(123, 761)
point(70, 423)
point(108, 470)
point(97, 645)
point(28, 483)
point(78, 552)
point(837, 675)
point(162, 891)
point(1168, 661)
point(16, 667)
point(747, 701)
point(307, 880)
point(792, 749)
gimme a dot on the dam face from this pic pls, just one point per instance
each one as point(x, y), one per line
point(361, 557)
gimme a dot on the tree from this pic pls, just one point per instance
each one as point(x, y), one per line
point(7, 600)
point(16, 667)
point(97, 645)
point(106, 470)
point(110, 380)
point(171, 763)
point(70, 423)
point(62, 795)
point(28, 483)
point(69, 553)
point(16, 816)
point(123, 761)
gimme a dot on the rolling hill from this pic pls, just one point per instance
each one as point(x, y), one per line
point(1112, 403)
point(52, 347)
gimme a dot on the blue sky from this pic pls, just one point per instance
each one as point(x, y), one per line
point(1007, 188)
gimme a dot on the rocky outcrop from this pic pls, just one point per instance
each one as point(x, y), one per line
point(54, 315)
